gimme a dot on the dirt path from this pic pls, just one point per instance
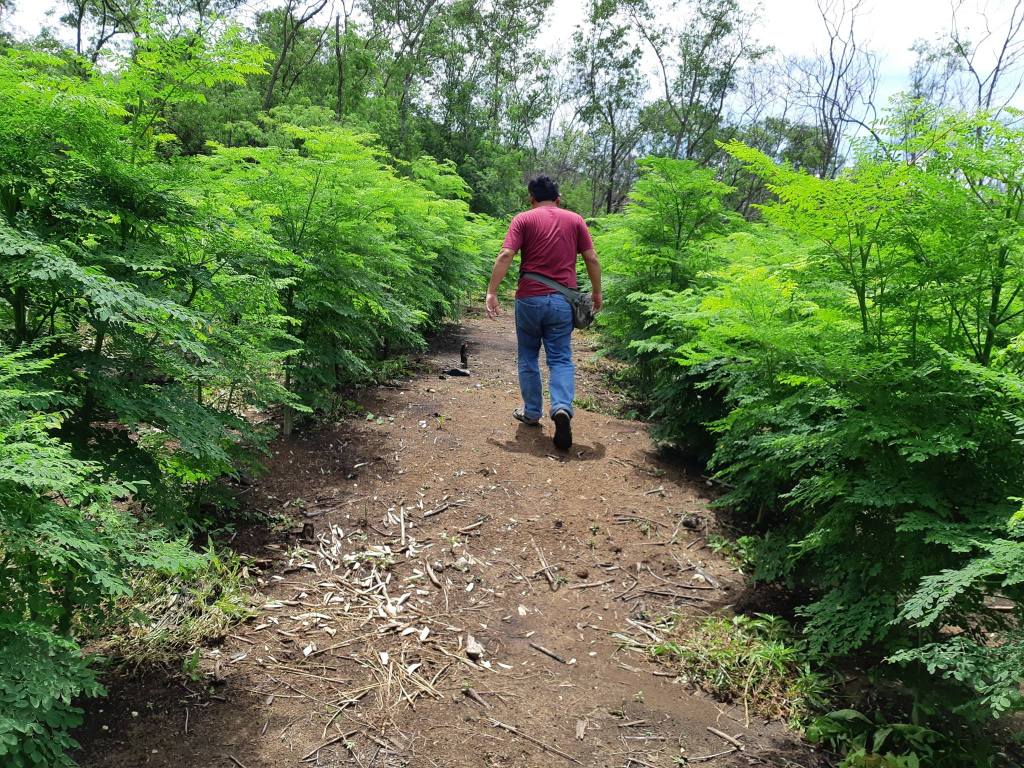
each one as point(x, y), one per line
point(358, 657)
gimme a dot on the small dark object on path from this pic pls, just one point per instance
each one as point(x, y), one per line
point(548, 653)
point(458, 372)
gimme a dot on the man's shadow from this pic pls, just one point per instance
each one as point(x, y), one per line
point(534, 441)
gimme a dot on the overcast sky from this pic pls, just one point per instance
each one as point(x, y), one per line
point(888, 27)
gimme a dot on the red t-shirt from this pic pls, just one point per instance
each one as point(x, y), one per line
point(549, 238)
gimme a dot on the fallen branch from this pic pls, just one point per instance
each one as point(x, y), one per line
point(545, 568)
point(432, 576)
point(443, 507)
point(548, 653)
point(705, 758)
point(589, 584)
point(623, 519)
point(677, 584)
point(538, 742)
point(473, 695)
point(664, 593)
point(335, 740)
point(723, 735)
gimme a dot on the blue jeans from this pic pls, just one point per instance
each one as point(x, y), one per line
point(545, 319)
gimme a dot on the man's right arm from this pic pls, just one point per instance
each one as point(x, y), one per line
point(594, 271)
point(498, 272)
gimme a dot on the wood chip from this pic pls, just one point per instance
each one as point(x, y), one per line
point(474, 649)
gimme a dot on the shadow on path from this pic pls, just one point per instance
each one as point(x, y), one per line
point(533, 441)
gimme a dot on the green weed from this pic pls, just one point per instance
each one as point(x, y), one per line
point(737, 552)
point(167, 616)
point(754, 661)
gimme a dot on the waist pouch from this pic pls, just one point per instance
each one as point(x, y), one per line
point(582, 302)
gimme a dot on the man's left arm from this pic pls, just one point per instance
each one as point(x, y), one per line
point(501, 265)
point(585, 247)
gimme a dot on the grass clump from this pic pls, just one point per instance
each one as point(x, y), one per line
point(168, 616)
point(753, 660)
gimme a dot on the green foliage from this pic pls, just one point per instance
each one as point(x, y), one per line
point(756, 661)
point(878, 743)
point(664, 243)
point(44, 673)
point(66, 541)
point(151, 298)
point(375, 258)
point(859, 354)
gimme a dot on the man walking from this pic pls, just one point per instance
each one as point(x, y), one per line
point(549, 238)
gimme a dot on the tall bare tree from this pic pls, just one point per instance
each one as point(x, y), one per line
point(611, 89)
point(837, 86)
point(993, 87)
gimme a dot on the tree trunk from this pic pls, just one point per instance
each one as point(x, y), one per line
point(340, 61)
point(612, 167)
point(992, 321)
point(20, 309)
point(286, 42)
point(403, 117)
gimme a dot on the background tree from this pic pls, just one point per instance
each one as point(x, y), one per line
point(106, 18)
point(974, 69)
point(289, 21)
point(605, 65)
point(700, 65)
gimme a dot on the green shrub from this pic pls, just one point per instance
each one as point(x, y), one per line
point(150, 302)
point(861, 351)
point(376, 258)
point(170, 614)
point(878, 743)
point(663, 244)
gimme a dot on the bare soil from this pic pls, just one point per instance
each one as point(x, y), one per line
point(429, 522)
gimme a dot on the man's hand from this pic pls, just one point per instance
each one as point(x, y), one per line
point(598, 301)
point(501, 265)
point(493, 310)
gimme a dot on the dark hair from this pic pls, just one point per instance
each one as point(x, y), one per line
point(543, 188)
